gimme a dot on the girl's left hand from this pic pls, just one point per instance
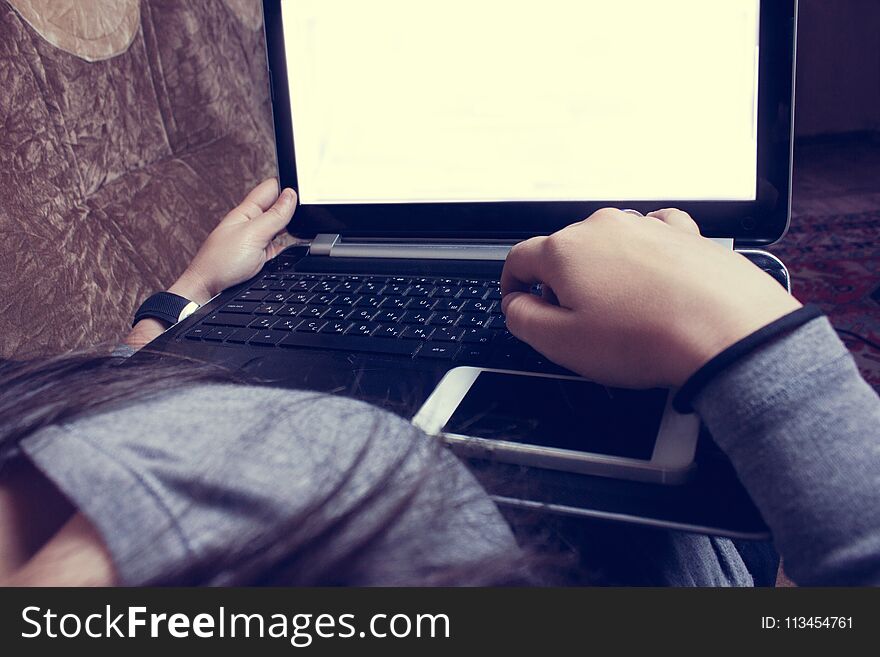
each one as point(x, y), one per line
point(240, 245)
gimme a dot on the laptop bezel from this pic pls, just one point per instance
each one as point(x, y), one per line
point(753, 223)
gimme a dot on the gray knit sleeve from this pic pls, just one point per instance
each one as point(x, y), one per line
point(176, 480)
point(802, 429)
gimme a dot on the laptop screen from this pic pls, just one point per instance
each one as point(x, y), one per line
point(401, 101)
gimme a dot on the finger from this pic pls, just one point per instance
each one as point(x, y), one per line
point(276, 218)
point(258, 201)
point(523, 266)
point(280, 242)
point(676, 219)
point(535, 321)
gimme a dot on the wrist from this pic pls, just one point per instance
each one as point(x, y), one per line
point(723, 328)
point(191, 285)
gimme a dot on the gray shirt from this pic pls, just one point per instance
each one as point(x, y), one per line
point(177, 479)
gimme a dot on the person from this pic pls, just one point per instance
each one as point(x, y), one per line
point(164, 474)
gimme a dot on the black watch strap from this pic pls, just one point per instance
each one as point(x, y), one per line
point(167, 307)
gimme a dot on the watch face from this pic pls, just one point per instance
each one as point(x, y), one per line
point(188, 310)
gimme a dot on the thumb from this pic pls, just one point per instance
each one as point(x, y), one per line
point(276, 218)
point(535, 321)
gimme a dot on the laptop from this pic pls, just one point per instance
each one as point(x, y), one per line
point(425, 140)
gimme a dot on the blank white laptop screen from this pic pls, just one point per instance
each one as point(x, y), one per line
point(411, 101)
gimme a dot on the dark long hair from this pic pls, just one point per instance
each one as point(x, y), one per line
point(317, 547)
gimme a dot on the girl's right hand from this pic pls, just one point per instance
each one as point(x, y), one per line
point(635, 301)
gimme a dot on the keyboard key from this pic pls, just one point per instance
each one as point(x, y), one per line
point(324, 286)
point(494, 295)
point(393, 290)
point(251, 295)
point(420, 304)
point(419, 291)
point(299, 297)
point(322, 299)
point(477, 336)
point(302, 286)
point(335, 327)
point(388, 331)
point(415, 317)
point(290, 310)
point(496, 322)
point(286, 324)
point(242, 335)
point(370, 288)
point(197, 333)
point(267, 309)
point(446, 291)
point(242, 307)
point(260, 285)
point(262, 323)
point(472, 292)
point(267, 338)
point(477, 306)
point(313, 312)
point(361, 315)
point(470, 320)
point(348, 286)
point(219, 333)
point(369, 302)
point(473, 354)
point(438, 351)
point(449, 304)
point(510, 356)
point(350, 342)
point(336, 313)
point(310, 326)
point(416, 333)
point(280, 286)
point(447, 334)
point(362, 328)
point(443, 319)
point(389, 316)
point(276, 297)
point(346, 300)
point(227, 319)
point(393, 303)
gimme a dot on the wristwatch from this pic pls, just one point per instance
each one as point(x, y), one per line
point(167, 307)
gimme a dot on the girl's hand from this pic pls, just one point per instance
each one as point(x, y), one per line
point(236, 250)
point(240, 245)
point(635, 301)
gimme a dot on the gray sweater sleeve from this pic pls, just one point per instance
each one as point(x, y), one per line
point(802, 429)
point(176, 480)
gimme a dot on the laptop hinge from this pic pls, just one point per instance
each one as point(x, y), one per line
point(328, 244)
point(331, 244)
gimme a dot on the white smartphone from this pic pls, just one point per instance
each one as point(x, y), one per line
point(561, 423)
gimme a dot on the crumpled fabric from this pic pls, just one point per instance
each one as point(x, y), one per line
point(113, 172)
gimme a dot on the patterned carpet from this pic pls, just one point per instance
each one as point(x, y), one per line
point(835, 263)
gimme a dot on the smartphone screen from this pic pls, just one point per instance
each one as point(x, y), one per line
point(561, 413)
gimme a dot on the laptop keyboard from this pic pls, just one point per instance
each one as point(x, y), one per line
point(445, 319)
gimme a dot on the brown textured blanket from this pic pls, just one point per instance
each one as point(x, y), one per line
point(112, 172)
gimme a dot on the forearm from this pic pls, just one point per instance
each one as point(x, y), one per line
point(189, 286)
point(802, 429)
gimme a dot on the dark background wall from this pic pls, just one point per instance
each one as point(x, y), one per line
point(838, 67)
